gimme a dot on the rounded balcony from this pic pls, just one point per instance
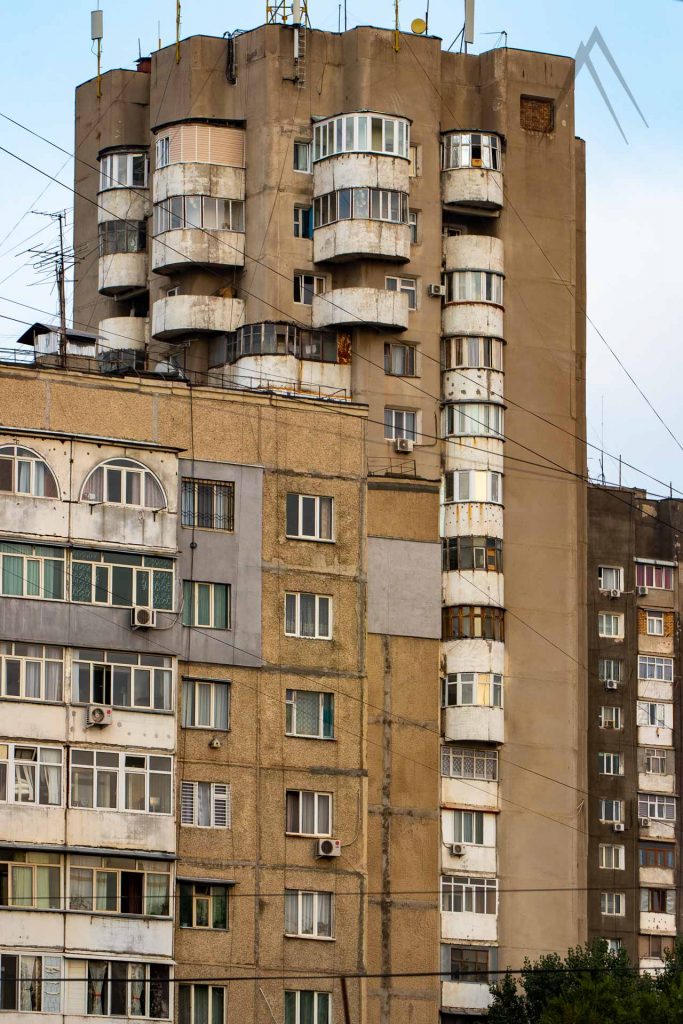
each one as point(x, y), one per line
point(471, 170)
point(122, 272)
point(472, 586)
point(473, 654)
point(473, 429)
point(474, 286)
point(364, 148)
point(123, 187)
point(472, 518)
point(479, 455)
point(176, 249)
point(472, 368)
point(361, 307)
point(475, 724)
point(176, 315)
point(199, 179)
point(123, 332)
point(123, 204)
point(356, 238)
point(473, 252)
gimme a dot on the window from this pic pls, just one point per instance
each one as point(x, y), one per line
point(536, 114)
point(201, 1004)
point(652, 855)
point(120, 579)
point(610, 764)
point(610, 668)
point(123, 679)
point(473, 485)
point(465, 622)
point(30, 983)
point(468, 763)
point(658, 901)
point(206, 704)
point(30, 775)
point(306, 286)
point(124, 482)
point(24, 472)
point(468, 827)
point(163, 156)
point(610, 578)
point(309, 914)
point(361, 204)
point(474, 286)
point(654, 947)
point(308, 813)
point(31, 671)
point(474, 418)
point(655, 623)
point(405, 285)
point(303, 221)
point(309, 713)
point(610, 625)
point(613, 945)
point(205, 804)
point(122, 236)
point(484, 553)
point(206, 212)
point(655, 760)
point(206, 604)
point(655, 668)
point(208, 504)
point(465, 689)
point(414, 155)
point(308, 516)
point(108, 780)
point(652, 713)
point(610, 718)
point(120, 988)
point(361, 133)
point(119, 885)
point(280, 339)
point(468, 895)
point(203, 905)
point(309, 616)
point(303, 1007)
point(471, 149)
point(31, 570)
point(29, 878)
point(124, 170)
point(302, 157)
point(399, 360)
point(611, 810)
point(612, 857)
point(413, 221)
point(400, 423)
point(654, 577)
point(472, 353)
point(661, 808)
point(613, 904)
point(466, 964)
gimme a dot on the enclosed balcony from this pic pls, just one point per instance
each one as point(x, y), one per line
point(369, 223)
point(474, 286)
point(123, 187)
point(361, 149)
point(474, 724)
point(473, 707)
point(472, 368)
point(464, 586)
point(657, 924)
point(197, 231)
point(361, 307)
point(176, 315)
point(471, 171)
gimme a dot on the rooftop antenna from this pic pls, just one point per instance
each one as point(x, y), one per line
point(602, 444)
point(177, 32)
point(57, 260)
point(159, 33)
point(96, 34)
point(468, 31)
point(397, 41)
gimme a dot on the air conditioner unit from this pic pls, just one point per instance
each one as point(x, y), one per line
point(615, 593)
point(643, 822)
point(457, 850)
point(642, 591)
point(328, 848)
point(143, 618)
point(611, 684)
point(98, 714)
point(437, 291)
point(618, 826)
point(403, 444)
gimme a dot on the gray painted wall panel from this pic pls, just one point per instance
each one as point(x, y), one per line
point(404, 588)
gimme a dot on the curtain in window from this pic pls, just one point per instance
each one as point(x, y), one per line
point(97, 973)
point(31, 980)
point(290, 612)
point(32, 684)
point(22, 886)
point(203, 712)
point(291, 912)
point(203, 599)
point(135, 791)
point(324, 815)
point(154, 496)
point(23, 477)
point(156, 895)
point(201, 1005)
point(12, 575)
point(306, 1000)
point(137, 989)
point(107, 891)
point(292, 813)
point(308, 813)
point(307, 614)
point(220, 697)
point(324, 914)
point(307, 713)
point(50, 783)
point(25, 783)
point(217, 1005)
point(306, 923)
point(94, 488)
point(188, 710)
point(328, 714)
point(220, 606)
point(47, 888)
point(204, 803)
point(80, 886)
point(290, 1008)
point(53, 680)
point(133, 488)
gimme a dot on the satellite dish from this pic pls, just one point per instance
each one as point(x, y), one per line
point(418, 26)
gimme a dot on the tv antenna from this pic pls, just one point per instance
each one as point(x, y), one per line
point(96, 34)
point(56, 260)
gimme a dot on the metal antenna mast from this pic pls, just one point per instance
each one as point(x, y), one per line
point(56, 261)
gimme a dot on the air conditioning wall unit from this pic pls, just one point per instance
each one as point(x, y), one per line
point(611, 684)
point(403, 444)
point(642, 591)
point(328, 848)
point(615, 593)
point(643, 822)
point(618, 826)
point(143, 618)
point(98, 714)
point(437, 291)
point(457, 850)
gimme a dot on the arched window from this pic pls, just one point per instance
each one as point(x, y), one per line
point(24, 472)
point(124, 482)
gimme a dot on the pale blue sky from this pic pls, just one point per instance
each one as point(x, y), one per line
point(635, 190)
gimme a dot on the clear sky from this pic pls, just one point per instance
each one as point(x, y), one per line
point(635, 188)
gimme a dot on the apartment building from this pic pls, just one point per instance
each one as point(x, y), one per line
point(634, 716)
point(329, 335)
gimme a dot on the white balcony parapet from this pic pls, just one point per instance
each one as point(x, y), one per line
point(471, 722)
point(356, 307)
point(122, 272)
point(196, 314)
point(361, 238)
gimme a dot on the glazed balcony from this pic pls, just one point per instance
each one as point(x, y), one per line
point(176, 315)
point(361, 149)
point(471, 171)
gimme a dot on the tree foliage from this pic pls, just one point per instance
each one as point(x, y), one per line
point(590, 986)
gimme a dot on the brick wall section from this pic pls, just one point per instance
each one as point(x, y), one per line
point(536, 115)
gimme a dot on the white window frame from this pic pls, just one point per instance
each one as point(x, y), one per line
point(110, 160)
point(160, 678)
point(473, 689)
point(456, 761)
point(615, 808)
point(299, 220)
point(25, 462)
point(397, 424)
point(612, 904)
point(98, 901)
point(651, 667)
point(318, 800)
point(32, 666)
point(655, 760)
point(294, 901)
point(655, 622)
point(469, 823)
point(162, 151)
point(472, 894)
point(653, 713)
point(654, 575)
point(39, 558)
point(220, 804)
point(320, 502)
point(610, 717)
point(353, 133)
point(610, 577)
point(612, 856)
point(485, 286)
point(465, 485)
point(613, 944)
point(121, 765)
point(293, 1010)
point(457, 150)
point(610, 669)
point(614, 619)
point(657, 807)
point(293, 603)
point(316, 286)
point(610, 763)
point(475, 419)
point(50, 969)
point(299, 145)
point(190, 707)
point(45, 758)
point(414, 225)
point(404, 285)
point(211, 990)
point(291, 714)
point(472, 352)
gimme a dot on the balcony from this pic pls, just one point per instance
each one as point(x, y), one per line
point(474, 385)
point(469, 927)
point(473, 860)
point(123, 332)
point(463, 791)
point(657, 924)
point(472, 587)
point(471, 174)
point(465, 995)
point(362, 149)
point(123, 204)
point(474, 655)
point(472, 518)
point(114, 933)
point(359, 238)
point(480, 724)
point(199, 179)
point(196, 314)
point(122, 272)
point(361, 307)
point(181, 247)
point(473, 252)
